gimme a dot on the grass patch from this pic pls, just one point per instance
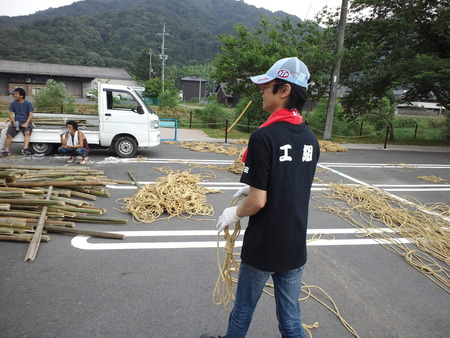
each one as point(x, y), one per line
point(220, 133)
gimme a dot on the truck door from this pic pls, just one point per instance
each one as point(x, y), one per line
point(123, 114)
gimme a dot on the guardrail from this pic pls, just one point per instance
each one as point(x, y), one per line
point(169, 123)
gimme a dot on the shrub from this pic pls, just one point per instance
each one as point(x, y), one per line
point(54, 98)
point(168, 99)
point(214, 115)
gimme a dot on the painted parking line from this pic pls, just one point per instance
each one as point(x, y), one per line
point(315, 187)
point(387, 165)
point(418, 207)
point(82, 242)
point(115, 160)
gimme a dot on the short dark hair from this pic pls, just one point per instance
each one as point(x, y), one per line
point(298, 96)
point(73, 124)
point(21, 92)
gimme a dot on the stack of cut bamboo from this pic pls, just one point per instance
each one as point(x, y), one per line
point(59, 122)
point(23, 192)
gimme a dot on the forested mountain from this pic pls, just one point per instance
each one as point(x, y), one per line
point(112, 33)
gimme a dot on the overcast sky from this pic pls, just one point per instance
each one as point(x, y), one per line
point(304, 9)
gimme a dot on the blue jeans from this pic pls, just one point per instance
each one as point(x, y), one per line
point(73, 151)
point(251, 283)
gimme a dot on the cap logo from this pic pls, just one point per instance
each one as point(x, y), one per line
point(283, 74)
point(264, 79)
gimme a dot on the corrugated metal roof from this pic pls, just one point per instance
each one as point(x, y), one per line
point(194, 78)
point(54, 69)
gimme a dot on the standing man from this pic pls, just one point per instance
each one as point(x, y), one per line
point(20, 114)
point(280, 164)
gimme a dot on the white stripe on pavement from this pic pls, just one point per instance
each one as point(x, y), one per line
point(82, 242)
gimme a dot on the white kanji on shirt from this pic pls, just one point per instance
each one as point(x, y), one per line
point(307, 153)
point(285, 156)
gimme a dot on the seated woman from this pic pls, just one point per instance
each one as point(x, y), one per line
point(73, 143)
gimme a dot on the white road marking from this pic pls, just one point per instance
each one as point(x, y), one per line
point(82, 242)
point(387, 165)
point(165, 160)
point(418, 207)
point(315, 187)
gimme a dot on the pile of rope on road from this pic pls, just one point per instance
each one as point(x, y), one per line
point(207, 147)
point(325, 146)
point(330, 147)
point(176, 194)
point(223, 292)
point(433, 179)
point(424, 225)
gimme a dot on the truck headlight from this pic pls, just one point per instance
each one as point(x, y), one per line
point(154, 124)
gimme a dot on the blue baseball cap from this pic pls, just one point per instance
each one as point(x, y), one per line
point(289, 69)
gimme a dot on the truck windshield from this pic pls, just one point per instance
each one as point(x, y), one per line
point(146, 102)
point(121, 100)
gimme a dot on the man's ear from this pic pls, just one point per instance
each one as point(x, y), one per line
point(286, 90)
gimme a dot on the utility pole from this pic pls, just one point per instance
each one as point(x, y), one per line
point(163, 56)
point(336, 71)
point(150, 70)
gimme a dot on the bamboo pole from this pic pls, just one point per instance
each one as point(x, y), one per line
point(34, 245)
point(98, 219)
point(87, 232)
point(16, 225)
point(55, 183)
point(96, 211)
point(11, 193)
point(5, 207)
point(58, 191)
point(31, 201)
point(69, 201)
point(134, 180)
point(21, 190)
point(22, 238)
point(239, 117)
point(12, 221)
point(83, 195)
point(21, 214)
point(67, 224)
point(6, 230)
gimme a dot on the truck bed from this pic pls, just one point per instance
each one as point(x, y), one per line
point(48, 126)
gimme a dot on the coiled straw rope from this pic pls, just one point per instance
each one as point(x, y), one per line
point(426, 226)
point(228, 271)
point(223, 291)
point(176, 194)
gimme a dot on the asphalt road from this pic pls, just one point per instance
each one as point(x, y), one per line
point(157, 286)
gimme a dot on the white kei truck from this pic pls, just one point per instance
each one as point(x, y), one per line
point(124, 123)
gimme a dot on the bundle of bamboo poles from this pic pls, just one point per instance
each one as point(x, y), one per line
point(23, 192)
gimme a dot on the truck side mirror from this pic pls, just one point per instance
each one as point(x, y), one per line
point(140, 110)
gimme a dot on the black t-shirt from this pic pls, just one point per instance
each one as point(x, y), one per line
point(282, 159)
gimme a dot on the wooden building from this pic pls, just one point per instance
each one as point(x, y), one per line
point(79, 80)
point(193, 87)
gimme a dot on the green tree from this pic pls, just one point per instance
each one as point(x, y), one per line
point(214, 115)
point(53, 97)
point(384, 114)
point(153, 87)
point(253, 52)
point(175, 73)
point(400, 43)
point(168, 99)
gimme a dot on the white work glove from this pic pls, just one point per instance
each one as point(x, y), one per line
point(242, 192)
point(62, 132)
point(227, 218)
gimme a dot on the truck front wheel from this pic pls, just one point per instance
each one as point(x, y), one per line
point(41, 148)
point(125, 147)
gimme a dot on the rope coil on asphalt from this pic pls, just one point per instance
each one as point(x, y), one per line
point(176, 194)
point(425, 225)
point(223, 291)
